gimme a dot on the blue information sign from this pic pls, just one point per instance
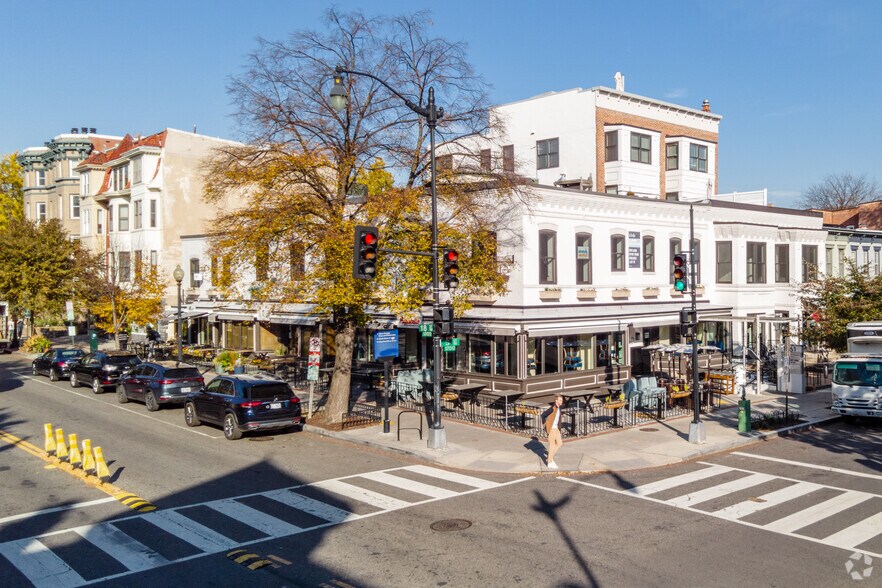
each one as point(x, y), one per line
point(386, 343)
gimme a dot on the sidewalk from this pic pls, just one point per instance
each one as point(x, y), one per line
point(472, 447)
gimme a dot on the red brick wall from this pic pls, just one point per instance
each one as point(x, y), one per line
point(612, 117)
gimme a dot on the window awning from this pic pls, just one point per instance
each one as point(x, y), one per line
point(484, 329)
point(292, 320)
point(231, 316)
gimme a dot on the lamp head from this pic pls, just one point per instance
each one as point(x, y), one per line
point(178, 274)
point(338, 93)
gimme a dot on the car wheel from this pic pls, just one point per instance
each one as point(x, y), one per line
point(231, 431)
point(73, 380)
point(53, 374)
point(150, 401)
point(34, 369)
point(97, 388)
point(190, 415)
point(121, 394)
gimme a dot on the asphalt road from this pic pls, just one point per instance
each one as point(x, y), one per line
point(320, 512)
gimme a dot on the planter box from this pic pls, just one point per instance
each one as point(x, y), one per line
point(650, 292)
point(621, 293)
point(586, 294)
point(549, 295)
point(699, 290)
point(481, 299)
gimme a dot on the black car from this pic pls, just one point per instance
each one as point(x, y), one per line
point(159, 382)
point(242, 403)
point(55, 363)
point(101, 369)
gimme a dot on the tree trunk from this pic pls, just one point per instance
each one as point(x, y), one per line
point(338, 396)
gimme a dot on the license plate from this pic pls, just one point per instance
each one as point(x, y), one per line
point(275, 405)
point(187, 389)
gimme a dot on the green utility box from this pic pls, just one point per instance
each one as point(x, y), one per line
point(93, 341)
point(744, 416)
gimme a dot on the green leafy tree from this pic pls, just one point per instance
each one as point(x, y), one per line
point(310, 174)
point(40, 268)
point(11, 194)
point(837, 301)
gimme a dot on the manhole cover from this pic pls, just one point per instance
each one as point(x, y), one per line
point(448, 525)
point(648, 429)
point(261, 438)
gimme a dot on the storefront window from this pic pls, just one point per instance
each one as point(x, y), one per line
point(542, 356)
point(506, 356)
point(610, 349)
point(480, 356)
point(577, 354)
point(239, 336)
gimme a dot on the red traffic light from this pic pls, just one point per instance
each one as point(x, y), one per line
point(451, 255)
point(679, 261)
point(368, 238)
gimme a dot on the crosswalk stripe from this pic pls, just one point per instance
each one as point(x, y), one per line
point(407, 484)
point(188, 530)
point(452, 477)
point(130, 553)
point(742, 509)
point(681, 480)
point(693, 498)
point(367, 496)
point(852, 536)
point(254, 518)
point(317, 508)
point(42, 567)
point(817, 512)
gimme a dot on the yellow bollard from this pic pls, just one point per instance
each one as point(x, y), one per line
point(60, 447)
point(88, 458)
point(75, 458)
point(49, 444)
point(101, 466)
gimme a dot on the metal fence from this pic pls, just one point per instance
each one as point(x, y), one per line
point(526, 418)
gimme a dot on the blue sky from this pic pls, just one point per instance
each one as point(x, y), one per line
point(797, 82)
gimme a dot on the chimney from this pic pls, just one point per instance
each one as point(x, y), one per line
point(73, 130)
point(705, 106)
point(92, 130)
point(84, 130)
point(620, 82)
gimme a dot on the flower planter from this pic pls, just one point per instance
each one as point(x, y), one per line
point(614, 405)
point(586, 294)
point(549, 295)
point(481, 299)
point(650, 292)
point(620, 293)
point(699, 290)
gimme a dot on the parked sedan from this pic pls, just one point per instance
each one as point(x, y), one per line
point(55, 363)
point(241, 403)
point(159, 382)
point(101, 369)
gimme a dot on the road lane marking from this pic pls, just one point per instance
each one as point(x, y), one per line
point(858, 533)
point(254, 518)
point(682, 479)
point(809, 465)
point(94, 398)
point(137, 557)
point(742, 509)
point(406, 484)
point(692, 498)
point(362, 495)
point(36, 513)
point(813, 514)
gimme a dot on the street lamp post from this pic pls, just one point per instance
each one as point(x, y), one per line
point(179, 277)
point(437, 434)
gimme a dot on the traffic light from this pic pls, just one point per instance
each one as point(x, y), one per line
point(364, 260)
point(688, 320)
point(681, 269)
point(451, 268)
point(443, 316)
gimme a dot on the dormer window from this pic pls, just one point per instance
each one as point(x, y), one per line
point(119, 178)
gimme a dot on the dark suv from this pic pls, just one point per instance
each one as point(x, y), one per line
point(55, 363)
point(101, 369)
point(159, 382)
point(242, 403)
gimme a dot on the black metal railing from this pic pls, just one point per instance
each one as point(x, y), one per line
point(361, 414)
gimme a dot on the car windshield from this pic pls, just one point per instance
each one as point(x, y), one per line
point(68, 353)
point(182, 373)
point(270, 391)
point(858, 373)
point(123, 359)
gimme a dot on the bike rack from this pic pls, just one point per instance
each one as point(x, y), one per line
point(420, 428)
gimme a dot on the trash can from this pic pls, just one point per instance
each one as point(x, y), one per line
point(93, 341)
point(744, 416)
point(123, 341)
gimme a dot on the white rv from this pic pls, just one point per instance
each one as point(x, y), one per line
point(857, 375)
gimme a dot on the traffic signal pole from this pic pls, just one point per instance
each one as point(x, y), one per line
point(696, 427)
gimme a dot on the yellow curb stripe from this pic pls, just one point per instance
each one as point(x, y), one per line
point(235, 552)
point(243, 558)
point(54, 462)
point(259, 564)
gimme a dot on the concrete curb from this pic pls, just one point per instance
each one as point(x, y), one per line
point(367, 443)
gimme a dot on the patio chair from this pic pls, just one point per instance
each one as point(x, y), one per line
point(650, 392)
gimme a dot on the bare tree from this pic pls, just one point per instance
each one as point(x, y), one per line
point(839, 191)
point(310, 174)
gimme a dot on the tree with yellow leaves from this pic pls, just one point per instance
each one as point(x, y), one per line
point(11, 194)
point(310, 175)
